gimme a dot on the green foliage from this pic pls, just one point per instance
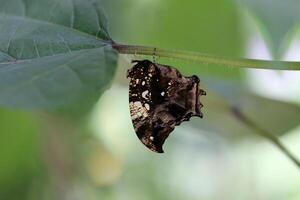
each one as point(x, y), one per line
point(278, 18)
point(54, 54)
point(20, 159)
point(200, 26)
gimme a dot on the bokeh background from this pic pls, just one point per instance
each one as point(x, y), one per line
point(50, 156)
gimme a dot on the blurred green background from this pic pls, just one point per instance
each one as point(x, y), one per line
point(50, 156)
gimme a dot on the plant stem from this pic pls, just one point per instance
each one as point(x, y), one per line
point(219, 60)
point(241, 117)
point(206, 58)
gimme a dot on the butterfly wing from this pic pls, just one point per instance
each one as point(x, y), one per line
point(159, 99)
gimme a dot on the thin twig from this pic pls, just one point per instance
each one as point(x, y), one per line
point(241, 117)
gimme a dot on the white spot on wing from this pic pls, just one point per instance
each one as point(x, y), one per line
point(144, 94)
point(137, 104)
point(147, 106)
point(137, 110)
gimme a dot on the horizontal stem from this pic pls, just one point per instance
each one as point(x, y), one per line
point(206, 58)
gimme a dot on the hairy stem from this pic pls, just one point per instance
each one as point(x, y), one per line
point(244, 119)
point(206, 58)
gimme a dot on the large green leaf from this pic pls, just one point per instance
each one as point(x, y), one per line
point(53, 54)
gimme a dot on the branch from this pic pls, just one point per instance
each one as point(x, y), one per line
point(241, 117)
point(206, 58)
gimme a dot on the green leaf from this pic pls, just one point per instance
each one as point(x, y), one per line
point(53, 54)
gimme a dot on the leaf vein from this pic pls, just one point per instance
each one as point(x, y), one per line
point(39, 76)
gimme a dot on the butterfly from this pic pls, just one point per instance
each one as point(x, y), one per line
point(160, 98)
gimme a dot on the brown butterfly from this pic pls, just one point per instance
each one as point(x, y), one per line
point(160, 98)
